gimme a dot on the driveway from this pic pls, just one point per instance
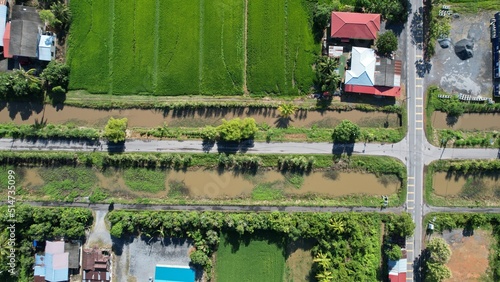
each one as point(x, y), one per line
point(99, 235)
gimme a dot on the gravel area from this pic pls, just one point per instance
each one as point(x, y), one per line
point(471, 76)
point(136, 259)
point(99, 236)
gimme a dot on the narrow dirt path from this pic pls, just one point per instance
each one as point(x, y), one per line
point(245, 35)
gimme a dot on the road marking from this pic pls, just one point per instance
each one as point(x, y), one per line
point(410, 200)
point(410, 207)
point(418, 78)
point(410, 192)
point(418, 85)
point(419, 98)
point(419, 128)
point(418, 56)
point(409, 242)
point(409, 270)
point(420, 106)
point(411, 177)
point(409, 250)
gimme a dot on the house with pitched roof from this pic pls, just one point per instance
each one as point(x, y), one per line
point(96, 265)
point(370, 74)
point(53, 265)
point(354, 26)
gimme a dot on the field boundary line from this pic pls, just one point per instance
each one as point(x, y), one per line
point(285, 42)
point(111, 51)
point(156, 46)
point(222, 50)
point(200, 47)
point(245, 43)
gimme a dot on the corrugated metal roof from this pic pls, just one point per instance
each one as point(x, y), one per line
point(56, 267)
point(362, 71)
point(6, 42)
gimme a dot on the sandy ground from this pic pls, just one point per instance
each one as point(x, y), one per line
point(471, 76)
point(469, 258)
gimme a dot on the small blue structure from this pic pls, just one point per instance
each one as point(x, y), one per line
point(168, 273)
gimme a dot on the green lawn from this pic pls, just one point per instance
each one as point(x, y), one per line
point(473, 6)
point(175, 47)
point(257, 261)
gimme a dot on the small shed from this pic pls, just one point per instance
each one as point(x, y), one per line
point(46, 47)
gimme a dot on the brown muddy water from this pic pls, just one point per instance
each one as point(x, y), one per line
point(452, 186)
point(466, 121)
point(208, 184)
point(189, 118)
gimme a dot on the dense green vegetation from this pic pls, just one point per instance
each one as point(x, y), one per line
point(438, 253)
point(475, 192)
point(181, 48)
point(262, 259)
point(387, 43)
point(469, 222)
point(68, 131)
point(37, 224)
point(347, 243)
point(147, 180)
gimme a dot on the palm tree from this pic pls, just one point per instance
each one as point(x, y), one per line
point(62, 14)
point(323, 260)
point(287, 110)
point(325, 276)
point(4, 245)
point(330, 81)
point(337, 225)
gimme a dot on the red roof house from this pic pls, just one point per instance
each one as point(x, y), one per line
point(354, 25)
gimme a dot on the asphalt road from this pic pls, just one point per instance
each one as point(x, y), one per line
point(419, 150)
point(398, 150)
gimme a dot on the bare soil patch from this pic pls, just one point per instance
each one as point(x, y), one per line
point(469, 258)
point(299, 261)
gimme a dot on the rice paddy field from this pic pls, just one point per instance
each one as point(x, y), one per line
point(176, 47)
point(252, 259)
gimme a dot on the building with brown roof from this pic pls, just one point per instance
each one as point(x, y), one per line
point(96, 265)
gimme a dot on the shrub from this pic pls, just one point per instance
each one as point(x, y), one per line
point(346, 132)
point(115, 130)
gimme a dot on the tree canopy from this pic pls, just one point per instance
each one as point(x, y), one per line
point(346, 132)
point(439, 254)
point(236, 129)
point(115, 130)
point(387, 43)
point(56, 74)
